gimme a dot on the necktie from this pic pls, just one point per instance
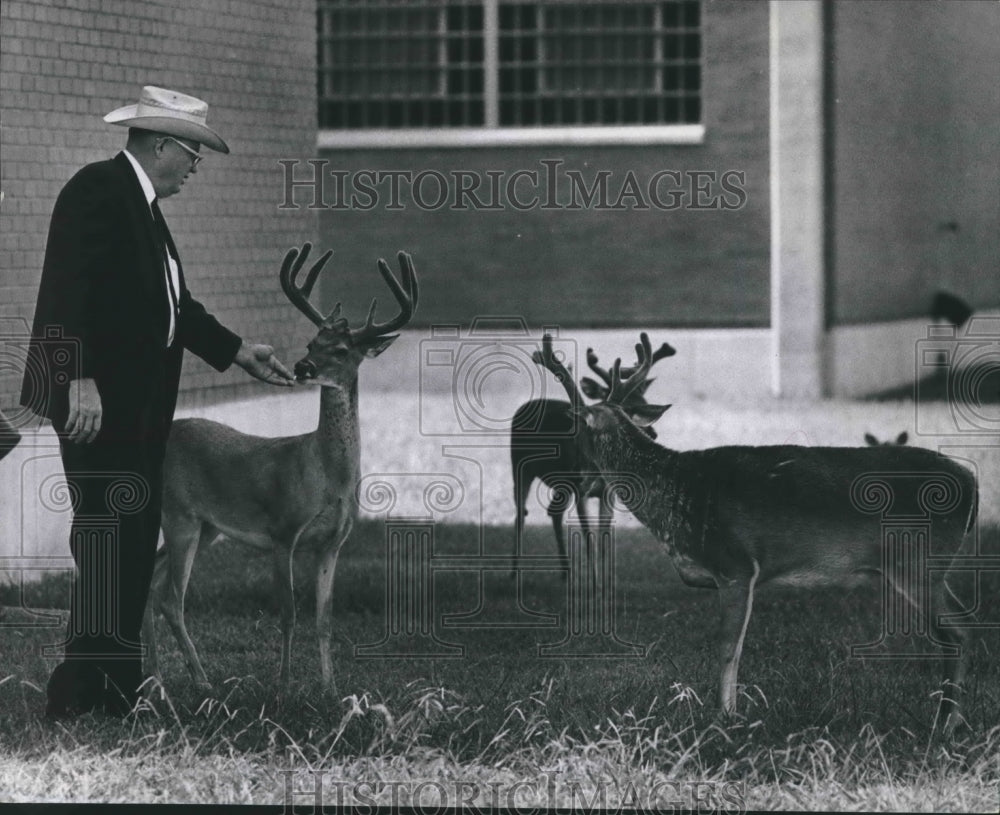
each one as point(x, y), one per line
point(161, 231)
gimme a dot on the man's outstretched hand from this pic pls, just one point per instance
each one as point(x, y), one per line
point(259, 361)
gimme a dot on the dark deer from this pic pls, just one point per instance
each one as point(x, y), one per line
point(543, 446)
point(276, 494)
point(733, 518)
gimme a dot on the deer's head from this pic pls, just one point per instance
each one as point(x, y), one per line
point(900, 441)
point(635, 400)
point(337, 350)
point(623, 400)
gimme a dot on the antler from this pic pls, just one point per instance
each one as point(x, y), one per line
point(406, 295)
point(546, 358)
point(664, 351)
point(299, 295)
point(621, 389)
point(603, 373)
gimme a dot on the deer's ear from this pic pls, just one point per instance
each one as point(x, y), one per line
point(592, 390)
point(870, 440)
point(645, 415)
point(902, 438)
point(372, 348)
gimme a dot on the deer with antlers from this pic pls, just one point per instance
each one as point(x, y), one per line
point(735, 518)
point(276, 494)
point(544, 447)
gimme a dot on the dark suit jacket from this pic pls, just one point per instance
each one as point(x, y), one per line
point(103, 312)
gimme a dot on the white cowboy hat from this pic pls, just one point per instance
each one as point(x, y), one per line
point(172, 113)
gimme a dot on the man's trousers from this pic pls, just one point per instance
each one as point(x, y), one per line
point(116, 486)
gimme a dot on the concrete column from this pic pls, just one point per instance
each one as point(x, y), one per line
point(798, 173)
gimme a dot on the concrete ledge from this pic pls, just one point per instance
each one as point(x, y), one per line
point(710, 363)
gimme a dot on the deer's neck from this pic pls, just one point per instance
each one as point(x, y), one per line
point(338, 436)
point(622, 450)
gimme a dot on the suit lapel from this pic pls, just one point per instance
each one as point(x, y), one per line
point(151, 272)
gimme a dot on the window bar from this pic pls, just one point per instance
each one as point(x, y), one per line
point(616, 69)
point(323, 54)
point(532, 59)
point(543, 24)
point(519, 50)
point(541, 52)
point(442, 72)
point(491, 63)
point(578, 71)
point(658, 60)
point(468, 52)
point(520, 92)
point(468, 68)
point(368, 29)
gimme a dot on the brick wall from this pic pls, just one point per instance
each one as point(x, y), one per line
point(62, 68)
point(586, 267)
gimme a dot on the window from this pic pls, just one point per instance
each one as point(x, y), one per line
point(500, 65)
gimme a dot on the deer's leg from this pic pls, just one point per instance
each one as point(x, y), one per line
point(944, 602)
point(157, 588)
point(605, 515)
point(588, 558)
point(182, 539)
point(327, 532)
point(521, 488)
point(956, 635)
point(959, 615)
point(735, 605)
point(604, 512)
point(557, 507)
point(327, 567)
point(284, 592)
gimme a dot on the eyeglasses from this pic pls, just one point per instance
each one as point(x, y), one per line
point(196, 157)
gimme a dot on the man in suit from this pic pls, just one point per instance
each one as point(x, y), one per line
point(112, 321)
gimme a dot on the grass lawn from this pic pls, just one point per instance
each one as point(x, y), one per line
point(493, 713)
point(817, 729)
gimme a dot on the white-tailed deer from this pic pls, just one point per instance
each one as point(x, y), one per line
point(543, 446)
point(734, 518)
point(276, 494)
point(873, 441)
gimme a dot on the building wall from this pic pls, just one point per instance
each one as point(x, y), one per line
point(588, 267)
point(913, 151)
point(915, 164)
point(63, 66)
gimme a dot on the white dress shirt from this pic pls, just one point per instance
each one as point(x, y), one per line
point(170, 267)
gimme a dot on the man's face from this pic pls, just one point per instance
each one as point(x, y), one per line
point(176, 159)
